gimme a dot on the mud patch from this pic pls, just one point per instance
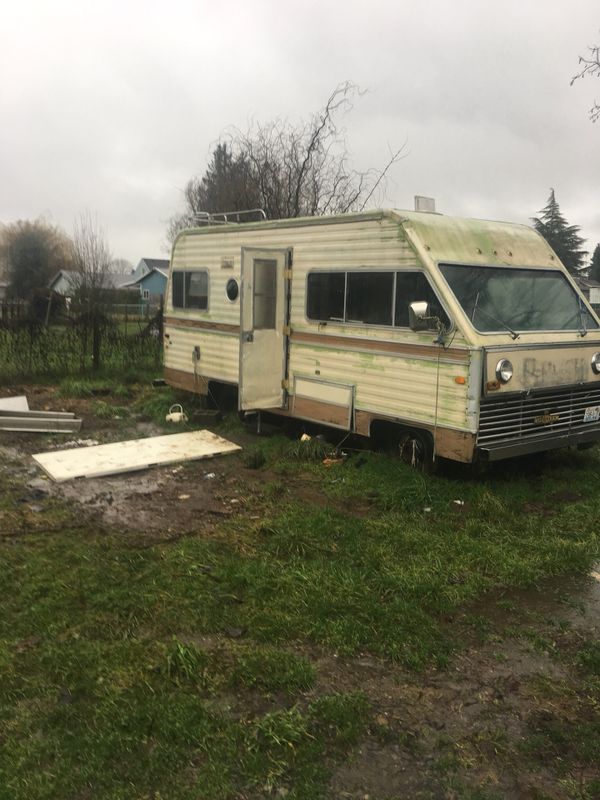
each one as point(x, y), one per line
point(441, 722)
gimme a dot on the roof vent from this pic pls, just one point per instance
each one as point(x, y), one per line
point(425, 204)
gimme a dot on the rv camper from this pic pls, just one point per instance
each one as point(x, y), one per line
point(458, 338)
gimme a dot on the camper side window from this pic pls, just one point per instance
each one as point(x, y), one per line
point(412, 287)
point(190, 289)
point(177, 290)
point(196, 290)
point(369, 298)
point(325, 295)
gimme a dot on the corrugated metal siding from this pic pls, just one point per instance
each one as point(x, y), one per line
point(392, 385)
point(340, 246)
point(219, 353)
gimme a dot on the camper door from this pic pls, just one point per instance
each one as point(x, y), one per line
point(262, 337)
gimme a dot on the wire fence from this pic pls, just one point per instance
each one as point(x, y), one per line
point(68, 348)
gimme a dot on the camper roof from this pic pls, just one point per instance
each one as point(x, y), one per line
point(435, 236)
point(476, 241)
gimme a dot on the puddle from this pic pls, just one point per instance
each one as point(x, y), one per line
point(159, 500)
point(573, 599)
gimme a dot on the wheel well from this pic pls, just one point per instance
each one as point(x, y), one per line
point(383, 432)
point(223, 396)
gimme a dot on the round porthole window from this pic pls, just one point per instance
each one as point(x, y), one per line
point(232, 289)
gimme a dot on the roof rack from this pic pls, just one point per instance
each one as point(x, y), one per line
point(225, 217)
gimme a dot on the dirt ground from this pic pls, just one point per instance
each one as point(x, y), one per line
point(163, 501)
point(160, 501)
point(456, 719)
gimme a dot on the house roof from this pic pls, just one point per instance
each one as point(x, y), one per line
point(112, 280)
point(587, 283)
point(157, 263)
point(119, 280)
point(146, 265)
point(161, 271)
point(70, 277)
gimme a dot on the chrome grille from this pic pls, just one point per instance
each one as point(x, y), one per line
point(506, 419)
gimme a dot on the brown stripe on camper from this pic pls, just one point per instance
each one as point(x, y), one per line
point(385, 347)
point(223, 327)
point(317, 410)
point(187, 381)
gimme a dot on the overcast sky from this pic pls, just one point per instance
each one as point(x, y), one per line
point(112, 106)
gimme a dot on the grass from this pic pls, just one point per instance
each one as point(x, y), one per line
point(122, 677)
point(48, 354)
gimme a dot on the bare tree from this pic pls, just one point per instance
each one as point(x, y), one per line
point(92, 260)
point(590, 66)
point(121, 266)
point(287, 169)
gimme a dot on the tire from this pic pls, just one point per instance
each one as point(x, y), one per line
point(415, 448)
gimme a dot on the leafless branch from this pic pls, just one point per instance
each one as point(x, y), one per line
point(394, 158)
point(288, 169)
point(590, 67)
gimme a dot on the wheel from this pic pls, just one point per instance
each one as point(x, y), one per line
point(416, 449)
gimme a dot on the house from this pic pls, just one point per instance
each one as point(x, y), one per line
point(590, 289)
point(146, 265)
point(150, 277)
point(66, 282)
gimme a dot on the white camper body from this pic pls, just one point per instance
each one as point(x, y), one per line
point(312, 318)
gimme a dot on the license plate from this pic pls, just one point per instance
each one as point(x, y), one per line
point(591, 414)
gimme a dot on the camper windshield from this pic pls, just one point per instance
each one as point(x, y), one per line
point(512, 299)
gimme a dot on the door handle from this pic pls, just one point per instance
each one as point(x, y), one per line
point(248, 337)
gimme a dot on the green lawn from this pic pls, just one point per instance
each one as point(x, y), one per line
point(184, 670)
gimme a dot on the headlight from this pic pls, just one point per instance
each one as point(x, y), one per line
point(596, 363)
point(504, 369)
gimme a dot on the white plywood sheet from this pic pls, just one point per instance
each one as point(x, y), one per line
point(109, 459)
point(14, 403)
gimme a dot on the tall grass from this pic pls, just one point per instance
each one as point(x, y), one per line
point(43, 353)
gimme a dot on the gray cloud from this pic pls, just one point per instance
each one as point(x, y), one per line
point(112, 106)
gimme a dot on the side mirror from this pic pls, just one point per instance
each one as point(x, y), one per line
point(418, 316)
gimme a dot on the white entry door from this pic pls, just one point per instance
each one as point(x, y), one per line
point(263, 337)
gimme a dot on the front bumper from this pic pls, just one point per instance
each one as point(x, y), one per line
point(531, 422)
point(522, 447)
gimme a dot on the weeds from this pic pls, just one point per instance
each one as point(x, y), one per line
point(272, 670)
point(310, 450)
point(98, 697)
point(254, 458)
point(103, 410)
point(187, 663)
point(588, 657)
point(35, 353)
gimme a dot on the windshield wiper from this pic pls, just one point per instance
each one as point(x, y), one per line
point(513, 333)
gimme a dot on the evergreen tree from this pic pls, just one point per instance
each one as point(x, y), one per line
point(563, 238)
point(595, 265)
